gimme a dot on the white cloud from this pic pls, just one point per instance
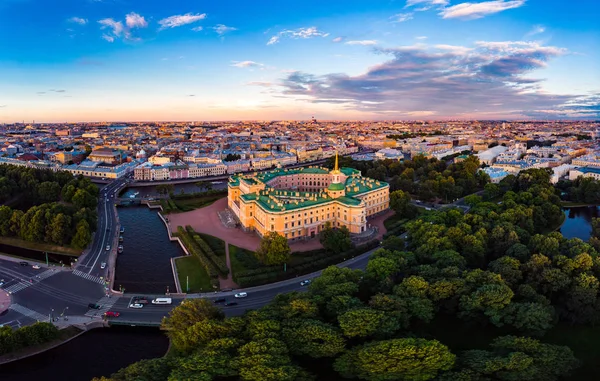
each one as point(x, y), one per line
point(338, 39)
point(421, 38)
point(134, 20)
point(108, 38)
point(401, 17)
point(300, 33)
point(478, 10)
point(243, 64)
point(179, 20)
point(222, 29)
point(362, 42)
point(537, 29)
point(259, 83)
point(197, 29)
point(273, 40)
point(458, 50)
point(78, 20)
point(115, 26)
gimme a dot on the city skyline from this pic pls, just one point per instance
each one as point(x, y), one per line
point(114, 60)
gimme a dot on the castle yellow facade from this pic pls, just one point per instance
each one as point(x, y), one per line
point(297, 203)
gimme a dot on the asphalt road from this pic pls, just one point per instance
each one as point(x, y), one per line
point(105, 234)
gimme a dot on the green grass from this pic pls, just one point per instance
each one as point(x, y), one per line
point(186, 205)
point(40, 246)
point(198, 278)
point(237, 266)
point(390, 221)
point(216, 244)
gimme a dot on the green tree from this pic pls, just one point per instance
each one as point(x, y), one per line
point(273, 249)
point(313, 338)
point(407, 359)
point(83, 235)
point(335, 240)
point(59, 228)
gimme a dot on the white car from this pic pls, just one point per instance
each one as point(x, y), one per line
point(103, 265)
point(241, 295)
point(107, 247)
point(305, 282)
point(35, 267)
point(136, 305)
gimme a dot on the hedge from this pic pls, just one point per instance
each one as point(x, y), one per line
point(316, 262)
point(37, 333)
point(217, 261)
point(190, 244)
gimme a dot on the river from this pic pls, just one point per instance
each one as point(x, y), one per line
point(99, 352)
point(578, 222)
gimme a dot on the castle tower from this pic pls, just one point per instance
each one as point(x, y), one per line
point(336, 188)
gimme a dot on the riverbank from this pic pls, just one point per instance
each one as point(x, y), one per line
point(11, 241)
point(65, 335)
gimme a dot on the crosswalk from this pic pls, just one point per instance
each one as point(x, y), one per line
point(105, 304)
point(21, 285)
point(28, 312)
point(13, 289)
point(89, 277)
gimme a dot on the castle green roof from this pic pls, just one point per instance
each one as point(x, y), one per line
point(336, 187)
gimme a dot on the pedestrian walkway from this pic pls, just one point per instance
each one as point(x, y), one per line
point(228, 282)
point(105, 304)
point(24, 284)
point(89, 277)
point(29, 313)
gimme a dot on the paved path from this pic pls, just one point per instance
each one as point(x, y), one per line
point(228, 282)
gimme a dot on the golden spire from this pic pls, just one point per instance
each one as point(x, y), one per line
point(336, 162)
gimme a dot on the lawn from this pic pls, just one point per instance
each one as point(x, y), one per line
point(189, 204)
point(190, 268)
point(40, 246)
point(216, 244)
point(241, 260)
point(392, 220)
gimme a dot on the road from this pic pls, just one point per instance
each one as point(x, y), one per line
point(64, 293)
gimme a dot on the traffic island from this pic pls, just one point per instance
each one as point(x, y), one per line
point(5, 302)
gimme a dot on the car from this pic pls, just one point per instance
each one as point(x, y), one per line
point(103, 265)
point(227, 290)
point(305, 282)
point(1, 283)
point(94, 306)
point(241, 295)
point(219, 300)
point(107, 229)
point(136, 305)
point(107, 247)
point(140, 300)
point(35, 267)
point(111, 314)
point(24, 263)
point(231, 303)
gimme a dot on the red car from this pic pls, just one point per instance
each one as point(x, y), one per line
point(112, 314)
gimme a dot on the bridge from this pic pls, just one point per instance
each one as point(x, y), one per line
point(133, 323)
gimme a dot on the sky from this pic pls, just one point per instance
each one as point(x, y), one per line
point(157, 60)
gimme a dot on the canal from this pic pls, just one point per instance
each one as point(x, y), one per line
point(578, 222)
point(96, 353)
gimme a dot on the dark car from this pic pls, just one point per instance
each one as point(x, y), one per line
point(94, 306)
point(24, 263)
point(219, 300)
point(141, 300)
point(232, 303)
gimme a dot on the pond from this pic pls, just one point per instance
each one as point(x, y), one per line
point(578, 222)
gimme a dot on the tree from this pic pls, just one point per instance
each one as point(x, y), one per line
point(365, 322)
point(165, 189)
point(82, 199)
point(400, 202)
point(204, 185)
point(473, 200)
point(59, 228)
point(335, 240)
point(313, 338)
point(398, 359)
point(273, 249)
point(521, 359)
point(83, 235)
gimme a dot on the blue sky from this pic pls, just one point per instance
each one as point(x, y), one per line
point(95, 60)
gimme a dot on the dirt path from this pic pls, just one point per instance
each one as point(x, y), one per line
point(228, 282)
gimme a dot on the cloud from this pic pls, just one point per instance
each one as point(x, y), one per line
point(300, 33)
point(338, 39)
point(401, 17)
point(421, 38)
point(260, 83)
point(479, 10)
point(486, 80)
point(179, 20)
point(116, 27)
point(537, 29)
point(108, 38)
point(134, 20)
point(222, 29)
point(244, 64)
point(78, 20)
point(197, 29)
point(191, 95)
point(426, 4)
point(362, 42)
